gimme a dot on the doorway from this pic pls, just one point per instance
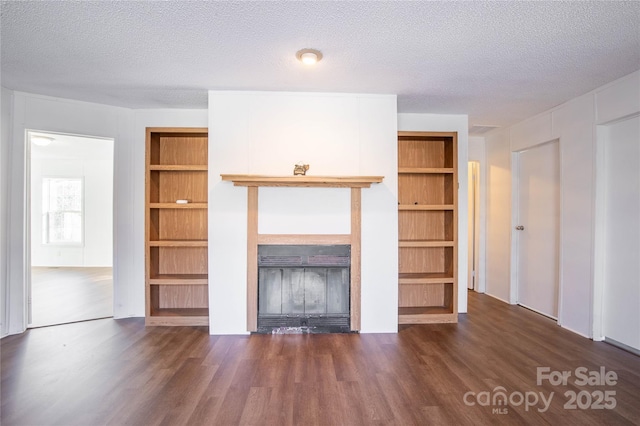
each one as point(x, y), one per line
point(71, 228)
point(474, 224)
point(537, 228)
point(618, 233)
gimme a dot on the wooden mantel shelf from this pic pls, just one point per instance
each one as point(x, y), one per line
point(303, 181)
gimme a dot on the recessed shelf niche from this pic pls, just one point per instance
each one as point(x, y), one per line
point(427, 227)
point(176, 232)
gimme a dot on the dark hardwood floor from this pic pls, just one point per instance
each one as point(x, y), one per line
point(118, 372)
point(61, 295)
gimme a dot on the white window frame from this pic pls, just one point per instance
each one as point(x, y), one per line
point(46, 240)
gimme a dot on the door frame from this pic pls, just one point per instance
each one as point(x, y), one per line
point(599, 221)
point(514, 236)
point(474, 248)
point(27, 217)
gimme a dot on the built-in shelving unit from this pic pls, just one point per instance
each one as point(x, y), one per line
point(427, 227)
point(176, 233)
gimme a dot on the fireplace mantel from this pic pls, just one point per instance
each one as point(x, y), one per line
point(303, 181)
point(253, 182)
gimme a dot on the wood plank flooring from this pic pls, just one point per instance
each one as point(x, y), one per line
point(118, 372)
point(61, 295)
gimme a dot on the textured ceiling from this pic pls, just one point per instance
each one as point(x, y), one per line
point(499, 62)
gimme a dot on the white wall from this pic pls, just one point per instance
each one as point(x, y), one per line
point(6, 110)
point(573, 123)
point(337, 134)
point(127, 128)
point(92, 161)
point(450, 123)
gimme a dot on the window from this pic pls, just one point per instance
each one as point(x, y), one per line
point(62, 201)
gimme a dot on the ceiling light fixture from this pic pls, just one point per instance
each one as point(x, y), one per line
point(309, 56)
point(41, 140)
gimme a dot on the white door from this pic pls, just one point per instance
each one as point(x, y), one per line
point(621, 293)
point(538, 228)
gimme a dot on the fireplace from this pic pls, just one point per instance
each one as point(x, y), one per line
point(256, 239)
point(304, 288)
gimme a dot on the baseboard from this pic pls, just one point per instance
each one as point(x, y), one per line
point(622, 346)
point(497, 298)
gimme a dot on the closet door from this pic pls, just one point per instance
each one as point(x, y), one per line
point(538, 228)
point(621, 316)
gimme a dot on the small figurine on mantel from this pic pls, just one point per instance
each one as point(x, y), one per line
point(300, 169)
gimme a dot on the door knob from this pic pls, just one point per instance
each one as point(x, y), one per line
point(520, 228)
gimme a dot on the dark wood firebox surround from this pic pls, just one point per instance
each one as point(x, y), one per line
point(253, 182)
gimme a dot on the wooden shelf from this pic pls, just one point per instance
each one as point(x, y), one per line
point(178, 167)
point(424, 310)
point(179, 317)
point(425, 278)
point(177, 206)
point(429, 243)
point(426, 207)
point(178, 243)
point(425, 170)
point(169, 312)
point(428, 315)
point(179, 279)
point(303, 181)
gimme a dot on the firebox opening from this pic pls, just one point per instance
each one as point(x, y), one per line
point(304, 288)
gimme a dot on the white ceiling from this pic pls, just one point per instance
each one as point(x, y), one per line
point(499, 62)
point(72, 147)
